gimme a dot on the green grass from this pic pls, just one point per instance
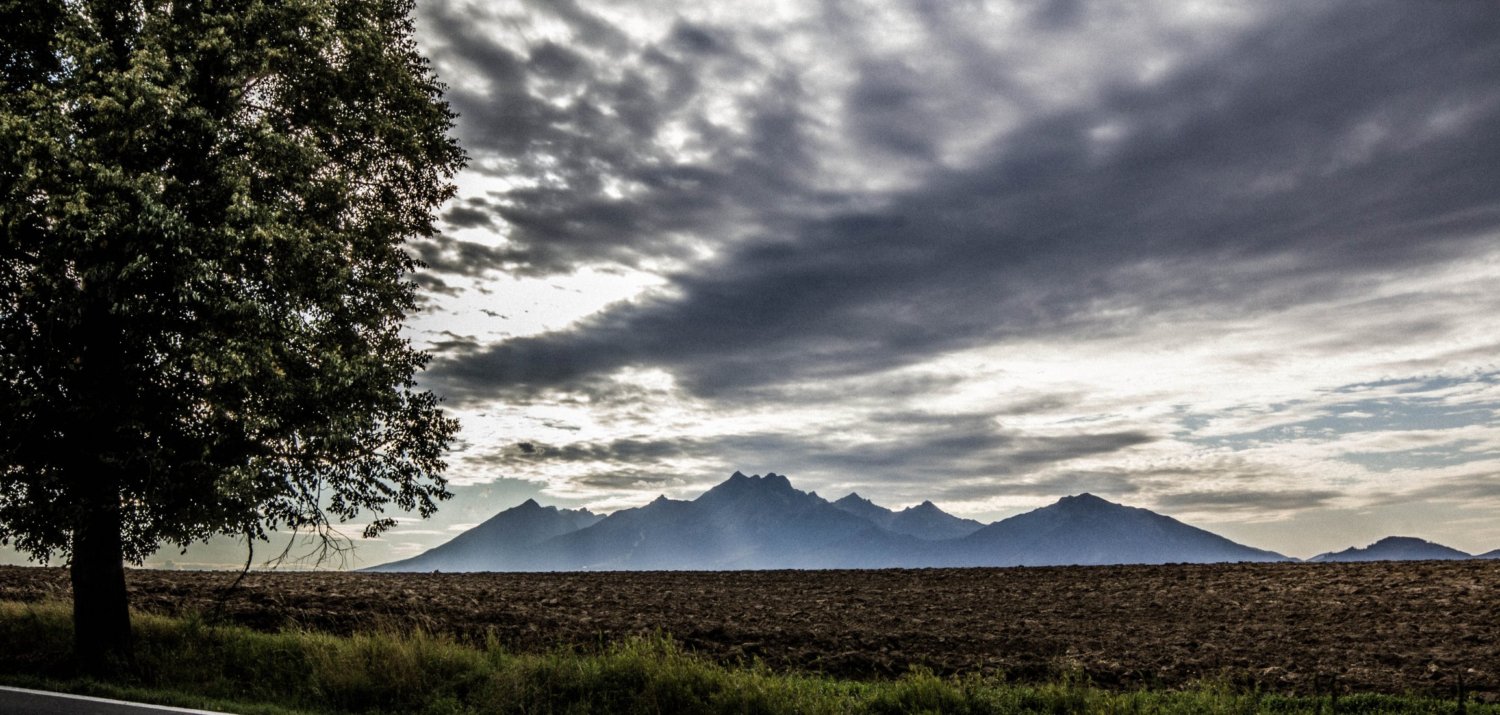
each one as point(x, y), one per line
point(184, 662)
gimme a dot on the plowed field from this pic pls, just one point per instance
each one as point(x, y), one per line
point(1307, 628)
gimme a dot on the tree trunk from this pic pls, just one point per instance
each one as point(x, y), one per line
point(101, 608)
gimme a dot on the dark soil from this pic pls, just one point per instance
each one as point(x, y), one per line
point(1412, 627)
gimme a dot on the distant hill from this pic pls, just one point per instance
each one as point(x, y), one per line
point(501, 540)
point(1085, 529)
point(755, 522)
point(924, 521)
point(1396, 548)
point(1489, 555)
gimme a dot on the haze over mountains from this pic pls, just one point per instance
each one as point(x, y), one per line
point(755, 522)
point(501, 539)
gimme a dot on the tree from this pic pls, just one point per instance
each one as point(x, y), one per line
point(203, 279)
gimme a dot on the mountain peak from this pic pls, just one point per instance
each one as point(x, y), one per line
point(772, 480)
point(862, 507)
point(1401, 541)
point(529, 504)
point(853, 498)
point(1084, 501)
point(769, 490)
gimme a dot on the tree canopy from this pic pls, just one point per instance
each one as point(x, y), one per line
point(203, 206)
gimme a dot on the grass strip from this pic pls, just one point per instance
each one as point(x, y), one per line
point(187, 663)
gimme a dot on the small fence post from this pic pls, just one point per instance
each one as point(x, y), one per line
point(1463, 708)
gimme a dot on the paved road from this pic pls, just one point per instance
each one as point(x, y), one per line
point(20, 701)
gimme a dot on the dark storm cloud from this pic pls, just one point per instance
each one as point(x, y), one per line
point(1056, 15)
point(635, 451)
point(1328, 146)
point(429, 283)
point(447, 341)
point(469, 214)
point(696, 39)
point(446, 255)
point(888, 97)
point(577, 123)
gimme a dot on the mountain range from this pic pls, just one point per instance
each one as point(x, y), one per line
point(755, 522)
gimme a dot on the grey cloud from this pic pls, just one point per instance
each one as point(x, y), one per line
point(1445, 360)
point(968, 448)
point(1391, 406)
point(468, 217)
point(1040, 404)
point(626, 480)
point(1106, 484)
point(875, 392)
point(1329, 157)
point(1057, 449)
point(1481, 486)
point(1435, 456)
point(946, 420)
point(1238, 474)
point(1256, 500)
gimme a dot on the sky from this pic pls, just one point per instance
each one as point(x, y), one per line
point(1233, 262)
